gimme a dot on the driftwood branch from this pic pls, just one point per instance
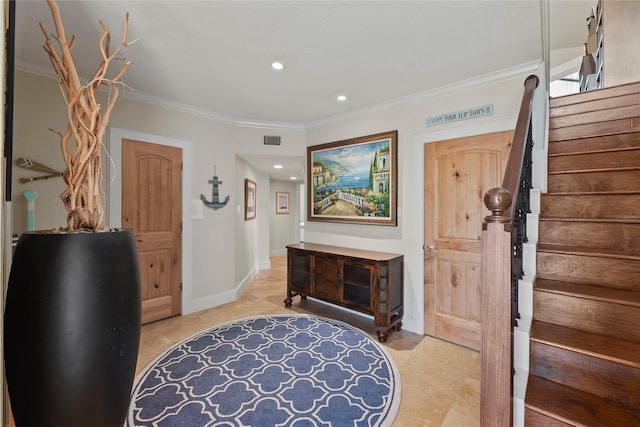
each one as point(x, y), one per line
point(87, 121)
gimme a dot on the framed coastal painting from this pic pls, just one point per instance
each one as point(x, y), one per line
point(354, 180)
point(249, 199)
point(282, 202)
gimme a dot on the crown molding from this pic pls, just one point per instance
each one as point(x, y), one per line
point(271, 125)
point(440, 92)
point(178, 107)
point(138, 96)
point(446, 90)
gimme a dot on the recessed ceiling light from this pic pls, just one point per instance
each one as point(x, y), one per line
point(342, 98)
point(277, 166)
point(293, 177)
point(277, 66)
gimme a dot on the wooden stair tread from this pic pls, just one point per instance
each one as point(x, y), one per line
point(620, 179)
point(595, 143)
point(600, 161)
point(598, 129)
point(626, 100)
point(576, 98)
point(601, 293)
point(608, 142)
point(593, 193)
point(610, 205)
point(596, 345)
point(593, 220)
point(569, 171)
point(576, 407)
point(595, 151)
point(619, 112)
point(596, 252)
point(615, 234)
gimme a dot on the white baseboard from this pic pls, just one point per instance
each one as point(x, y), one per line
point(534, 200)
point(525, 296)
point(529, 258)
point(220, 298)
point(210, 302)
point(519, 391)
point(521, 345)
point(264, 265)
point(532, 227)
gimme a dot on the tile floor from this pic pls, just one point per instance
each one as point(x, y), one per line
point(440, 381)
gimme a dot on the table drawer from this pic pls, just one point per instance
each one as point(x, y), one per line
point(326, 280)
point(327, 266)
point(327, 292)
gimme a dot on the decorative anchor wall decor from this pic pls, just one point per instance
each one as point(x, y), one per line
point(215, 203)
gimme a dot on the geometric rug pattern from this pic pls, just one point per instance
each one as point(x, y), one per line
point(278, 370)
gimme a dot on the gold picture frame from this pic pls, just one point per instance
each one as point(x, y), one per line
point(250, 189)
point(282, 202)
point(354, 180)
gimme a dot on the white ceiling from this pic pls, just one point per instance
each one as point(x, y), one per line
point(214, 57)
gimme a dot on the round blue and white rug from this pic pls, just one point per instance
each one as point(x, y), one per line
point(279, 370)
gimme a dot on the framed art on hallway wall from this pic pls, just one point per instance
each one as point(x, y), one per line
point(354, 180)
point(282, 202)
point(250, 189)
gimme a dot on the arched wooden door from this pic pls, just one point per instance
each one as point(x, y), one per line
point(457, 174)
point(151, 206)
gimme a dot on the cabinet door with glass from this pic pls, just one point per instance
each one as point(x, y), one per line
point(357, 284)
point(299, 271)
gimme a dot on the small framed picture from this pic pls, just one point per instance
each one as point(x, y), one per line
point(249, 199)
point(282, 203)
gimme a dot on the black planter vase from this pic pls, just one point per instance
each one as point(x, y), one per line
point(72, 328)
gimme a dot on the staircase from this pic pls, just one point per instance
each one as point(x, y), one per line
point(585, 334)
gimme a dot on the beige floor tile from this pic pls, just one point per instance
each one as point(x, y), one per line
point(440, 381)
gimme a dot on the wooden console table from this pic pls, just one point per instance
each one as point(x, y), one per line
point(365, 281)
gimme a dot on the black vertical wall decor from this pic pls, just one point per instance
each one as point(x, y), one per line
point(8, 107)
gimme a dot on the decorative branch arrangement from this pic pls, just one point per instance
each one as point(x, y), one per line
point(82, 140)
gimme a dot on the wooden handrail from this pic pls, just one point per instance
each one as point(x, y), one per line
point(496, 408)
point(513, 173)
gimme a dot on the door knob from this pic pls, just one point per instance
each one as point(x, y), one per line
point(430, 248)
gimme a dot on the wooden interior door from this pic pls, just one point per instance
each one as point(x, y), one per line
point(457, 173)
point(151, 206)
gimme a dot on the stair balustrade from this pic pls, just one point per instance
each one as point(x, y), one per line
point(503, 235)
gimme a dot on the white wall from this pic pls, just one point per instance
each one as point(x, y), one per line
point(246, 252)
point(284, 228)
point(38, 107)
point(226, 257)
point(250, 140)
point(503, 90)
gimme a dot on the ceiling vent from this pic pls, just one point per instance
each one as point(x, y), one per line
point(271, 140)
